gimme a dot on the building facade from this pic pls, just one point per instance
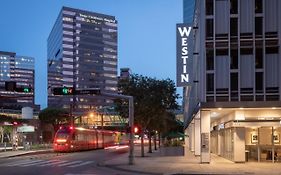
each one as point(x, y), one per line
point(18, 72)
point(233, 108)
point(82, 53)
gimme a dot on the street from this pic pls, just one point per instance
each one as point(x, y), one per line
point(86, 162)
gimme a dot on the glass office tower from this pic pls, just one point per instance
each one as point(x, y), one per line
point(18, 70)
point(82, 53)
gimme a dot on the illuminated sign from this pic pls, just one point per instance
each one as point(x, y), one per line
point(97, 18)
point(184, 54)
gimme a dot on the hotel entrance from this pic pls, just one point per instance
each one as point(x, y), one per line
point(263, 144)
point(246, 135)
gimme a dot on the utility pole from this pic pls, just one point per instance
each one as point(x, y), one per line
point(131, 122)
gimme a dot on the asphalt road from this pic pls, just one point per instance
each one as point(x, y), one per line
point(78, 163)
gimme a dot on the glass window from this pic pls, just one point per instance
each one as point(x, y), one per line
point(222, 52)
point(233, 6)
point(234, 81)
point(233, 27)
point(210, 82)
point(271, 50)
point(246, 51)
point(209, 7)
point(259, 58)
point(258, 6)
point(258, 25)
point(210, 59)
point(209, 27)
point(259, 82)
point(234, 59)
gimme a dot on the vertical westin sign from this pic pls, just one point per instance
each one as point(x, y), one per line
point(184, 54)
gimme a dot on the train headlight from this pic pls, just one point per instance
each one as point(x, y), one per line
point(71, 146)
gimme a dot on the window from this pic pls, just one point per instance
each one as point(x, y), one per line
point(209, 28)
point(222, 52)
point(234, 59)
point(246, 51)
point(259, 58)
point(234, 81)
point(210, 60)
point(258, 25)
point(233, 27)
point(271, 50)
point(258, 6)
point(259, 82)
point(210, 83)
point(209, 7)
point(233, 7)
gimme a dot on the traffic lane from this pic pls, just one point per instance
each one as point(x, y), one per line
point(60, 164)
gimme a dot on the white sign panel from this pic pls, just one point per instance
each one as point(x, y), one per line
point(25, 129)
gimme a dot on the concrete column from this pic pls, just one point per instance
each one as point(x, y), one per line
point(197, 137)
point(192, 137)
point(219, 142)
point(186, 140)
point(239, 144)
point(205, 136)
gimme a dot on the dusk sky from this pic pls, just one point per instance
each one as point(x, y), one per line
point(146, 33)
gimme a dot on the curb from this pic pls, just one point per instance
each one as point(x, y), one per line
point(28, 153)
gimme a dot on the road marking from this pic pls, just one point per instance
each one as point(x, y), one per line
point(23, 163)
point(53, 163)
point(44, 163)
point(70, 163)
point(81, 164)
point(39, 163)
point(79, 174)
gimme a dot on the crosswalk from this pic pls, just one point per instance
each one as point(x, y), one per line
point(46, 163)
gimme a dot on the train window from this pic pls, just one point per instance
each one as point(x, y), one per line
point(73, 136)
point(62, 135)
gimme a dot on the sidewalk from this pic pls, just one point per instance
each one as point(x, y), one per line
point(153, 163)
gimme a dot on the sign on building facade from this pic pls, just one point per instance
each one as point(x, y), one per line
point(184, 54)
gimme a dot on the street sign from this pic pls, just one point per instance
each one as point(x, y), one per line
point(88, 91)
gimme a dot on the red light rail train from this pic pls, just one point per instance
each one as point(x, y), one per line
point(70, 139)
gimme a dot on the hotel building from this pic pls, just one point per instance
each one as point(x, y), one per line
point(233, 107)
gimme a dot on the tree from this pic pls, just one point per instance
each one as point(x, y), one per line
point(7, 130)
point(54, 116)
point(153, 100)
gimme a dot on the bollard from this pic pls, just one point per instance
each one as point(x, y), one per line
point(5, 146)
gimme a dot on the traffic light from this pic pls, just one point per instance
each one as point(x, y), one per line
point(24, 89)
point(63, 91)
point(137, 130)
point(12, 86)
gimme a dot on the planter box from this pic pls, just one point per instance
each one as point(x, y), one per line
point(172, 151)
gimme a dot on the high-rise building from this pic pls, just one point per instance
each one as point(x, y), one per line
point(234, 103)
point(82, 53)
point(16, 81)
